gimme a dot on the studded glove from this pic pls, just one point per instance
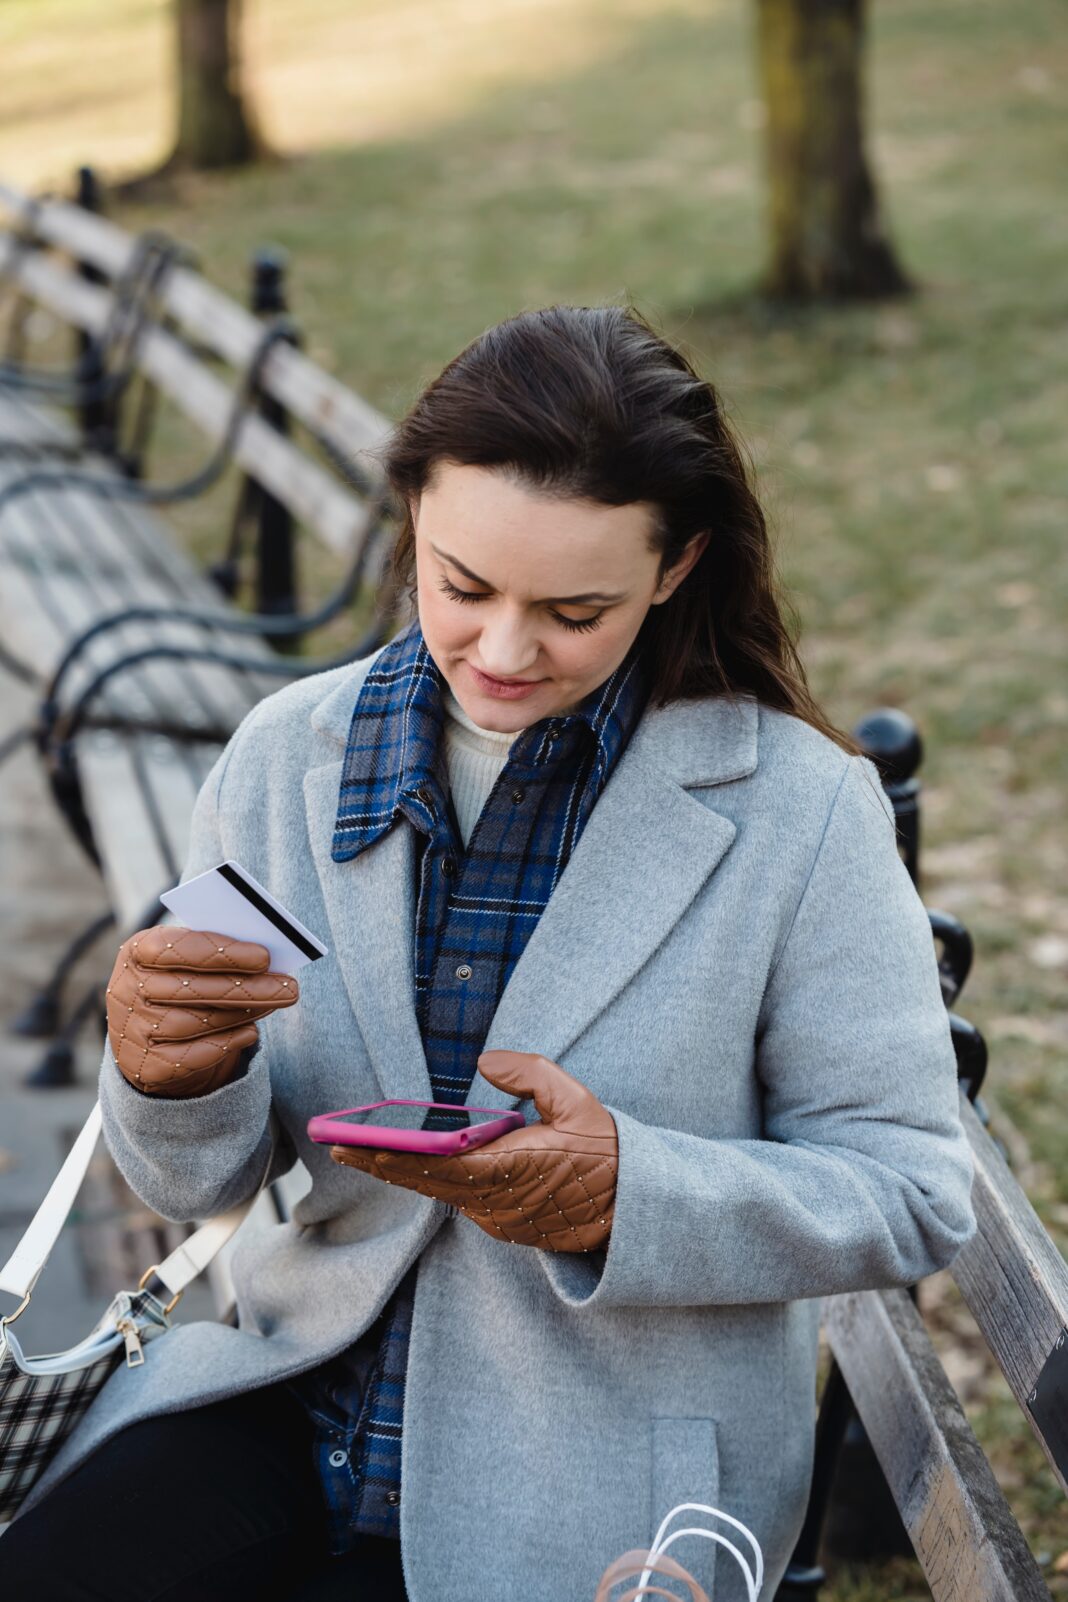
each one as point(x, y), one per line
point(551, 1184)
point(182, 1006)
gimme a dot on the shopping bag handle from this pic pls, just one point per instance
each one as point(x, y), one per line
point(656, 1560)
point(632, 1563)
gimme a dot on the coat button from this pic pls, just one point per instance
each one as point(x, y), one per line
point(393, 1497)
point(448, 866)
point(464, 971)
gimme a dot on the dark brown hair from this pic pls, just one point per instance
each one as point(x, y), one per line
point(589, 402)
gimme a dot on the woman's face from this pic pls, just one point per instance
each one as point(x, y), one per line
point(527, 603)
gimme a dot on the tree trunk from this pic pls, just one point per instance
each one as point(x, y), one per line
point(215, 128)
point(827, 238)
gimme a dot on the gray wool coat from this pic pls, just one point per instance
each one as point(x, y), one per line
point(736, 962)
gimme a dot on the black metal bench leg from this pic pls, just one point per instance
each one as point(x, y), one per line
point(55, 1071)
point(851, 1510)
point(804, 1576)
point(40, 1018)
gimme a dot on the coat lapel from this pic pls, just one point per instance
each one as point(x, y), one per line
point(645, 852)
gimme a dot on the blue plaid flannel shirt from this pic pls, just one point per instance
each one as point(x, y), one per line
point(475, 912)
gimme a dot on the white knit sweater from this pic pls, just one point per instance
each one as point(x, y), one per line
point(474, 758)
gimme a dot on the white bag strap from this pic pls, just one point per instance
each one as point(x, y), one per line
point(19, 1274)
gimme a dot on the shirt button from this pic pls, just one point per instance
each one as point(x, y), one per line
point(338, 1458)
point(423, 794)
point(393, 1497)
point(448, 866)
point(517, 794)
point(463, 971)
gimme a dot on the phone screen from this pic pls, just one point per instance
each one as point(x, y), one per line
point(422, 1115)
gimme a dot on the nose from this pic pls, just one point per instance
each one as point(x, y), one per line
point(508, 647)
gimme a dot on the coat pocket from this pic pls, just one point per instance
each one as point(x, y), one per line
point(686, 1469)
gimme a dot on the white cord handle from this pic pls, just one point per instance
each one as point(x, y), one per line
point(661, 1544)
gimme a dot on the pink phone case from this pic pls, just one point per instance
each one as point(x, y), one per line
point(328, 1130)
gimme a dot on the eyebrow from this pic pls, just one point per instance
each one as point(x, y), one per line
point(590, 597)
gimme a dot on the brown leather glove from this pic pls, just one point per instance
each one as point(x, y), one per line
point(182, 1006)
point(551, 1184)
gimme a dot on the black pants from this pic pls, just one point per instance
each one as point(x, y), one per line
point(218, 1502)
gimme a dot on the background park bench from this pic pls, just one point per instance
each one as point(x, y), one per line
point(911, 453)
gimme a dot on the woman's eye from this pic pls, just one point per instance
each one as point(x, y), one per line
point(579, 623)
point(460, 595)
point(455, 594)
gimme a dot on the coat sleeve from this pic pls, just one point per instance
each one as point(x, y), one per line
point(863, 1177)
point(194, 1157)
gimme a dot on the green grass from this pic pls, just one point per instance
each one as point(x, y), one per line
point(911, 455)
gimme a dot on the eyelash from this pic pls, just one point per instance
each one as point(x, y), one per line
point(577, 626)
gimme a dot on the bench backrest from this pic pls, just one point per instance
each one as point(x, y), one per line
point(210, 321)
point(1015, 1283)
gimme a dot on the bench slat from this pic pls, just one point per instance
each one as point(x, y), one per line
point(89, 556)
point(139, 792)
point(966, 1538)
point(78, 583)
point(111, 790)
point(1012, 1277)
point(337, 516)
point(44, 607)
point(309, 394)
point(30, 427)
point(134, 544)
point(54, 586)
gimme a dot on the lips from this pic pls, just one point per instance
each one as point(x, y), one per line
point(503, 689)
point(511, 683)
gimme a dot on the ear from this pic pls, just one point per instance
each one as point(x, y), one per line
point(675, 575)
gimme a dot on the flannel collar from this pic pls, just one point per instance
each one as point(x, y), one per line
point(394, 739)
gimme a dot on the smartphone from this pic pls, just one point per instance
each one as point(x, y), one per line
point(375, 1125)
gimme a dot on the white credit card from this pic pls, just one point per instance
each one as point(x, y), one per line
point(227, 900)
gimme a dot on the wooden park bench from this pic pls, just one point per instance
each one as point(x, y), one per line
point(144, 666)
point(134, 713)
point(885, 1369)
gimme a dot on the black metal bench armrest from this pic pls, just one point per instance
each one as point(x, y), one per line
point(129, 489)
point(66, 723)
point(252, 623)
point(133, 296)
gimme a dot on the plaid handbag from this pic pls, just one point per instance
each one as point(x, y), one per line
point(656, 1561)
point(43, 1398)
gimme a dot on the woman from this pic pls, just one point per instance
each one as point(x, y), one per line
point(580, 834)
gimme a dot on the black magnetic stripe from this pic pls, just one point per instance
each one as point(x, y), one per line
point(302, 944)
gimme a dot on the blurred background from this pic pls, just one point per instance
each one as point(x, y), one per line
point(861, 239)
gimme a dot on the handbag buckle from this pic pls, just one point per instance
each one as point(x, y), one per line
point(9, 1318)
point(171, 1305)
